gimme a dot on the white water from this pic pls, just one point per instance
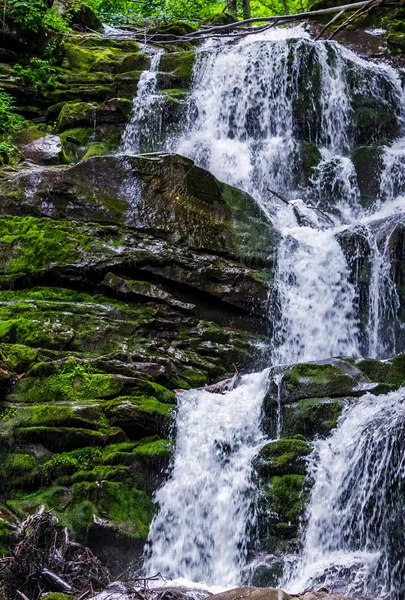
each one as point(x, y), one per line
point(145, 118)
point(243, 128)
point(242, 125)
point(202, 529)
point(354, 536)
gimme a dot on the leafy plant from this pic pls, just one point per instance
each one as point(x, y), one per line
point(38, 75)
point(27, 15)
point(9, 120)
point(53, 20)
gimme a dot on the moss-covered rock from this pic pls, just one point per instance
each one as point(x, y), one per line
point(311, 380)
point(367, 162)
point(176, 69)
point(312, 416)
point(76, 114)
point(82, 16)
point(10, 154)
point(176, 196)
point(284, 456)
point(391, 372)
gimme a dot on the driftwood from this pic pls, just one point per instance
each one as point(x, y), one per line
point(226, 385)
point(45, 559)
point(242, 28)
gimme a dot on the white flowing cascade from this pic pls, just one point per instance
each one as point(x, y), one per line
point(145, 114)
point(242, 125)
point(242, 128)
point(202, 528)
point(355, 520)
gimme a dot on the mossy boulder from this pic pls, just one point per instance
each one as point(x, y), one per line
point(306, 161)
point(309, 380)
point(391, 372)
point(367, 162)
point(82, 16)
point(283, 456)
point(312, 417)
point(76, 114)
point(176, 69)
point(373, 123)
point(166, 194)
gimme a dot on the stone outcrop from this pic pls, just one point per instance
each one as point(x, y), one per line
point(122, 279)
point(307, 400)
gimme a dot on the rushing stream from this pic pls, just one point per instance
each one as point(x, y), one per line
point(245, 125)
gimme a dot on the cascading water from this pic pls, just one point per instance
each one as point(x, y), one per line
point(202, 529)
point(257, 114)
point(354, 537)
point(145, 118)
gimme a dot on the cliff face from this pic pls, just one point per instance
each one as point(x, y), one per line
point(125, 278)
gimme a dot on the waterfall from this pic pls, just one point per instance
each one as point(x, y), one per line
point(206, 507)
point(245, 125)
point(256, 110)
point(312, 280)
point(145, 117)
point(354, 538)
point(276, 111)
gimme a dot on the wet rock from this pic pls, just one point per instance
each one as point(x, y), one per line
point(164, 194)
point(252, 593)
point(282, 457)
point(363, 246)
point(44, 151)
point(76, 114)
point(367, 162)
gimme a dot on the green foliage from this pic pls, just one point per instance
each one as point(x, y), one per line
point(9, 154)
point(53, 20)
point(26, 15)
point(38, 75)
point(69, 462)
point(9, 120)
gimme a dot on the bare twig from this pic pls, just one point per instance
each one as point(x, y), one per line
point(335, 18)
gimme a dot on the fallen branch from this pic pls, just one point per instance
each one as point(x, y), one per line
point(241, 28)
point(279, 196)
point(356, 15)
point(335, 18)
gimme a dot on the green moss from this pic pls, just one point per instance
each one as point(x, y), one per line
point(193, 377)
point(253, 234)
point(68, 387)
point(147, 404)
point(154, 449)
point(287, 497)
point(76, 114)
point(175, 94)
point(60, 596)
point(308, 158)
point(312, 416)
point(391, 372)
point(162, 393)
point(179, 65)
point(19, 356)
point(66, 463)
point(96, 149)
point(308, 380)
point(19, 463)
point(284, 456)
point(10, 154)
point(28, 244)
point(367, 162)
point(57, 439)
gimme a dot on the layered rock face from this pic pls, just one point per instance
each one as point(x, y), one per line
point(122, 280)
